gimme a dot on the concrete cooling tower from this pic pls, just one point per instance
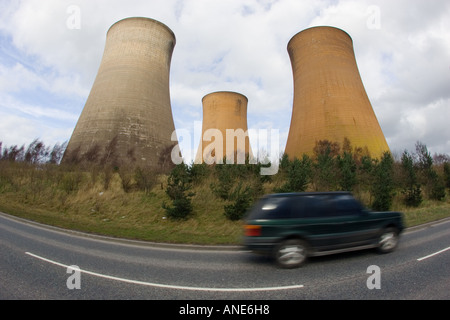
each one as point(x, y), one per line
point(330, 102)
point(224, 111)
point(128, 111)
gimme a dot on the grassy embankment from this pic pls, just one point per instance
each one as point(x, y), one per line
point(80, 201)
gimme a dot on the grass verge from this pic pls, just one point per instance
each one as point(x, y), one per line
point(139, 216)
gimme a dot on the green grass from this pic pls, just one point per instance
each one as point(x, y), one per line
point(134, 215)
point(427, 212)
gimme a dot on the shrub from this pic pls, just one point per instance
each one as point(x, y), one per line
point(299, 174)
point(411, 188)
point(383, 187)
point(242, 199)
point(325, 176)
point(178, 186)
point(145, 179)
point(447, 174)
point(225, 180)
point(347, 166)
point(435, 185)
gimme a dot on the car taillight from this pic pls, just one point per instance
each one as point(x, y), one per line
point(252, 231)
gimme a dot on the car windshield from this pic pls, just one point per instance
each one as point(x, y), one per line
point(269, 208)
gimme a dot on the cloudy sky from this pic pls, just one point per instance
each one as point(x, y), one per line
point(50, 51)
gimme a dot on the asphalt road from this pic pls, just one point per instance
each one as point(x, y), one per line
point(35, 262)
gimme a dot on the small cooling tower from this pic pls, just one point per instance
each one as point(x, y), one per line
point(330, 102)
point(224, 129)
point(128, 113)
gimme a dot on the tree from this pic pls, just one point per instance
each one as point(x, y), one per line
point(347, 166)
point(325, 167)
point(14, 153)
point(242, 199)
point(383, 186)
point(178, 186)
point(57, 153)
point(435, 185)
point(145, 179)
point(226, 175)
point(299, 173)
point(447, 174)
point(411, 188)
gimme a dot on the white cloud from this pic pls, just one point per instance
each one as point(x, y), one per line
point(47, 69)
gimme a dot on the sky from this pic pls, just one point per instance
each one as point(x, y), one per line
point(50, 52)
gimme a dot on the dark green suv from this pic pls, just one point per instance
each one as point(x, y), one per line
point(293, 226)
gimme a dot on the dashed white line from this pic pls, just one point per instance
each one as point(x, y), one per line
point(433, 254)
point(166, 286)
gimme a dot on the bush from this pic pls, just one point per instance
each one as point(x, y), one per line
point(242, 199)
point(299, 174)
point(145, 179)
point(437, 191)
point(383, 187)
point(447, 174)
point(413, 196)
point(347, 166)
point(178, 186)
point(411, 188)
point(181, 209)
point(325, 173)
point(226, 176)
point(434, 184)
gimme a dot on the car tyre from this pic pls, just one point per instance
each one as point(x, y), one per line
point(388, 240)
point(291, 253)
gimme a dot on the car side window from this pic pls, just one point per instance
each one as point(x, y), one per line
point(298, 207)
point(346, 205)
point(316, 206)
point(325, 206)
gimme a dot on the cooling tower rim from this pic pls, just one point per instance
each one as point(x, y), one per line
point(146, 19)
point(319, 27)
point(230, 92)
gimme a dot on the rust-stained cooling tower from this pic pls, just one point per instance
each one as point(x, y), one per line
point(330, 102)
point(128, 113)
point(224, 124)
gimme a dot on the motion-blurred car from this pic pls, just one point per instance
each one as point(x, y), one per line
point(294, 226)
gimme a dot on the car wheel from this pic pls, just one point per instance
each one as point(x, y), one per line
point(388, 240)
point(291, 253)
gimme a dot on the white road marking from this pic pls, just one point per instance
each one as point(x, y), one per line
point(166, 286)
point(433, 254)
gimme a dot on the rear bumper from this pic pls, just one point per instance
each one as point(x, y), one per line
point(261, 245)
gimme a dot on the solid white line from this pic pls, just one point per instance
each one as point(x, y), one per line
point(166, 286)
point(433, 254)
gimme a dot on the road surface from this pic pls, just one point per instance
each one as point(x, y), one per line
point(39, 262)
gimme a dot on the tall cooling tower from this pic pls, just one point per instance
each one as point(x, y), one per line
point(128, 110)
point(224, 111)
point(330, 102)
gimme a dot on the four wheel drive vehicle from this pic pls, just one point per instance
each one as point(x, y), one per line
point(294, 226)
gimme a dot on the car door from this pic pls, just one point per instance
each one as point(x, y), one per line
point(353, 221)
point(336, 221)
point(325, 229)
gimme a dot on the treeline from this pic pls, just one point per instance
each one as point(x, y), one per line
point(37, 169)
point(36, 153)
point(408, 179)
point(333, 167)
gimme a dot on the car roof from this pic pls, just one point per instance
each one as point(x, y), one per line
point(296, 194)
